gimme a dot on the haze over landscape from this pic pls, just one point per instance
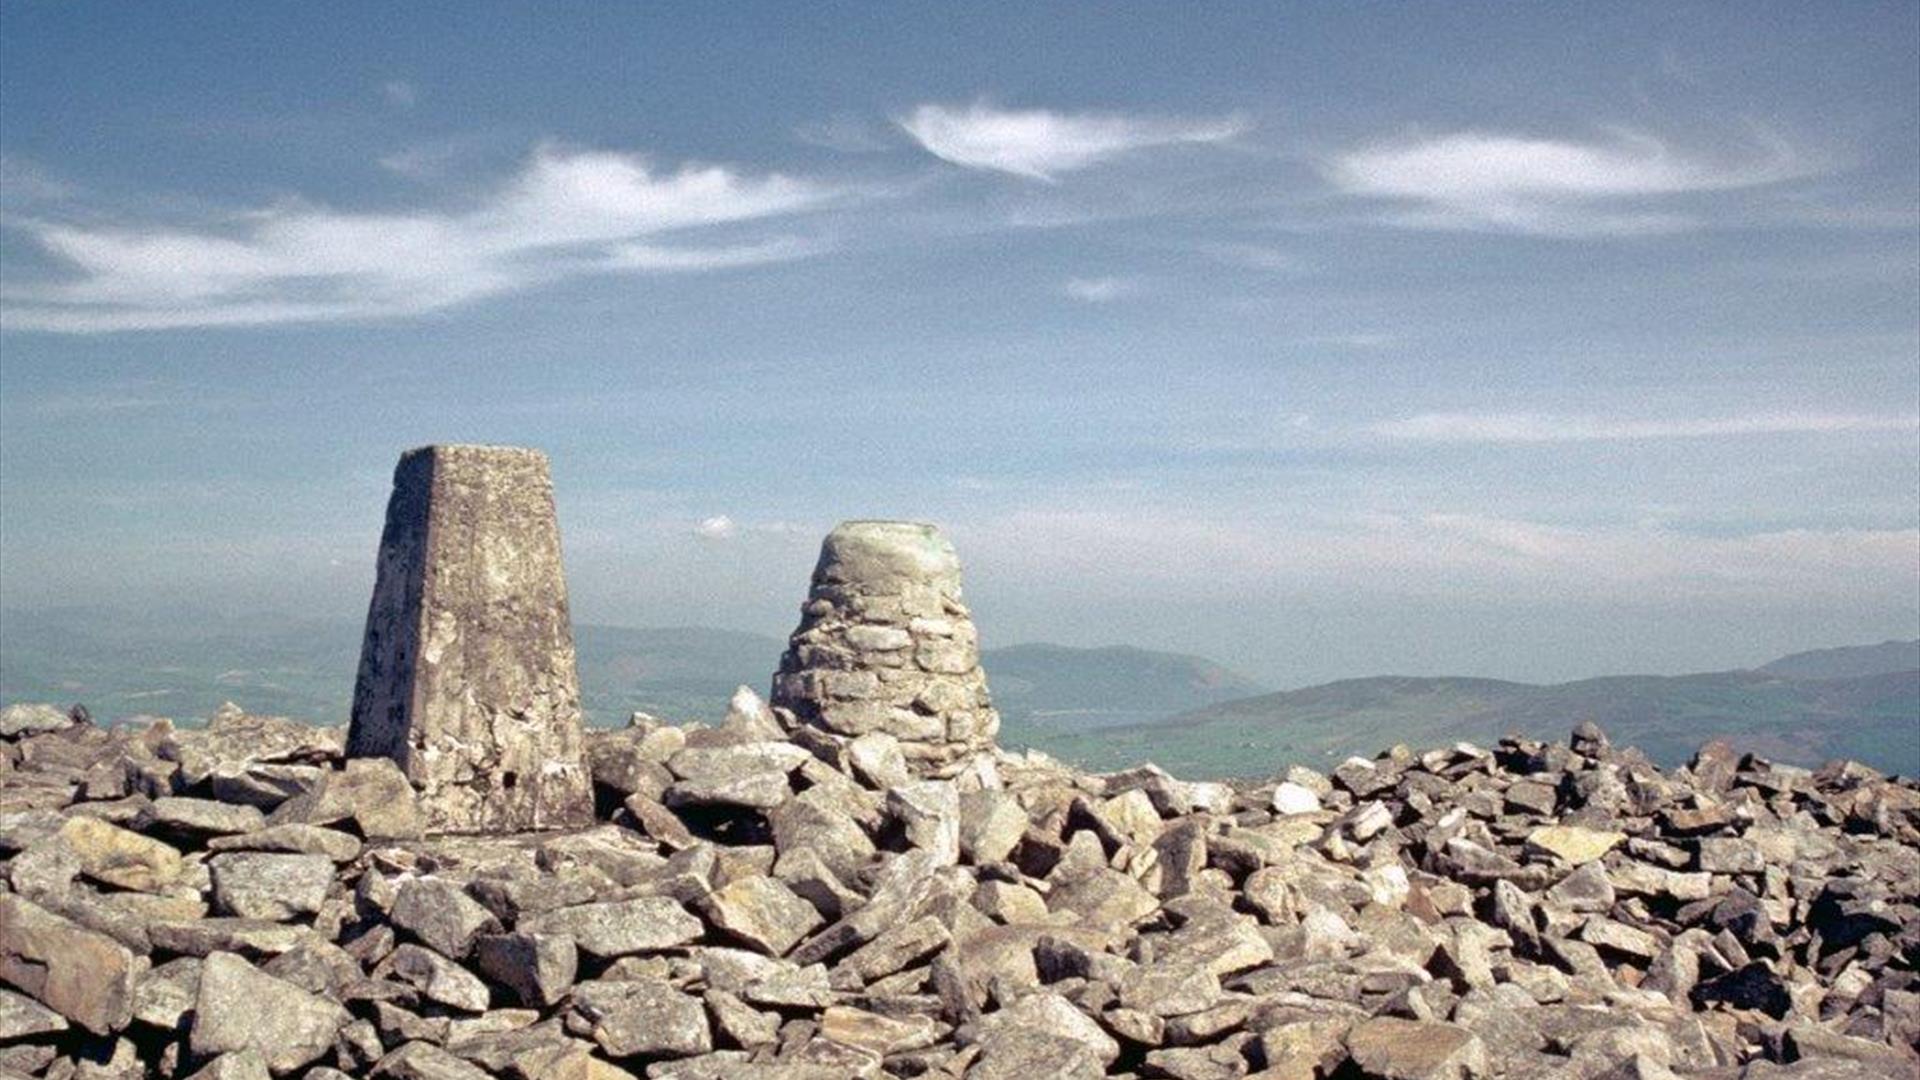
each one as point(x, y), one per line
point(1211, 339)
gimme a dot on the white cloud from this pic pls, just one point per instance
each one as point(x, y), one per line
point(718, 527)
point(1040, 144)
point(844, 132)
point(1099, 290)
point(565, 214)
point(1408, 552)
point(400, 93)
point(1483, 180)
point(1539, 428)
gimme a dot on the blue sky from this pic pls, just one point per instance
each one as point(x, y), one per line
point(1529, 341)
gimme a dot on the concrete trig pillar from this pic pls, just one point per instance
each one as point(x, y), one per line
point(467, 673)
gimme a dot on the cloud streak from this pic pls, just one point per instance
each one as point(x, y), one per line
point(1163, 550)
point(1098, 290)
point(566, 214)
point(1501, 182)
point(1542, 428)
point(1040, 144)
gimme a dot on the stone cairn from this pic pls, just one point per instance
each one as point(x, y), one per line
point(467, 670)
point(886, 647)
point(753, 900)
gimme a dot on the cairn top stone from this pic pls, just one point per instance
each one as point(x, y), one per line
point(467, 677)
point(883, 556)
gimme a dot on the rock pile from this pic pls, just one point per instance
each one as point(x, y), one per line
point(240, 901)
point(885, 645)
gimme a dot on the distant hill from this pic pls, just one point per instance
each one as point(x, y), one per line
point(1100, 707)
point(1874, 718)
point(1886, 658)
point(1044, 690)
point(185, 666)
point(679, 672)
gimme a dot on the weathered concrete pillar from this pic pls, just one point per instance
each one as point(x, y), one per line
point(885, 644)
point(467, 672)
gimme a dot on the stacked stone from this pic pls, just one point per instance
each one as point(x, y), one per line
point(237, 901)
point(467, 676)
point(886, 646)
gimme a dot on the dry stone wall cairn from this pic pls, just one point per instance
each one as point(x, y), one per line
point(886, 645)
point(467, 676)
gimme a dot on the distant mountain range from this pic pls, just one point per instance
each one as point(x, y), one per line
point(1098, 707)
point(304, 668)
point(1870, 713)
point(1888, 656)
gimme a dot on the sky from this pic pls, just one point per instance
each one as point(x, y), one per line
point(1527, 341)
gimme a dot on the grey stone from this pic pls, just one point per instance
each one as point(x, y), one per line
point(1394, 1049)
point(738, 759)
point(928, 814)
point(538, 969)
point(120, 857)
point(467, 675)
point(1107, 899)
point(199, 937)
point(371, 794)
point(239, 1065)
point(1292, 798)
point(293, 839)
point(420, 1060)
point(27, 718)
point(762, 912)
point(21, 1016)
point(1015, 1052)
point(619, 927)
point(762, 790)
point(267, 885)
point(239, 1008)
point(84, 976)
point(1051, 1012)
point(233, 740)
point(265, 785)
point(202, 818)
point(436, 977)
point(816, 822)
point(441, 914)
point(642, 1016)
point(991, 825)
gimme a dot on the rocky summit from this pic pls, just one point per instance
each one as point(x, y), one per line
point(754, 902)
point(856, 882)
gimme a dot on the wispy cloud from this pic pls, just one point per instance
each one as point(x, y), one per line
point(717, 527)
point(567, 213)
point(1099, 290)
point(1161, 549)
point(1541, 428)
point(845, 132)
point(400, 93)
point(1041, 144)
point(1483, 180)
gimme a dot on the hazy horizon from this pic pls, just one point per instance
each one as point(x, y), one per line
point(172, 623)
point(1532, 343)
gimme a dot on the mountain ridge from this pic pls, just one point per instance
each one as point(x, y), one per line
point(1108, 706)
